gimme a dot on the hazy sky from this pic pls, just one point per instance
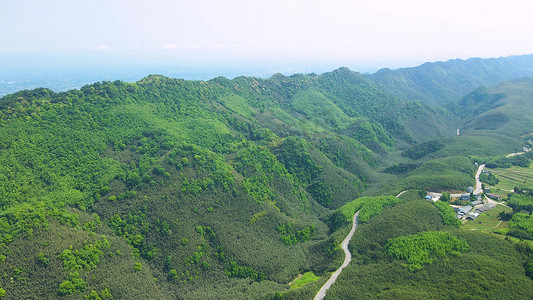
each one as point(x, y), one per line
point(337, 32)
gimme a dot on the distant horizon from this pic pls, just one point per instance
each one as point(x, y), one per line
point(131, 59)
point(292, 36)
point(68, 75)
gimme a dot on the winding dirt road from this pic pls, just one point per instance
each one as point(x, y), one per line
point(347, 258)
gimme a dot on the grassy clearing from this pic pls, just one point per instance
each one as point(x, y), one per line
point(514, 176)
point(502, 193)
point(489, 221)
point(307, 277)
point(517, 240)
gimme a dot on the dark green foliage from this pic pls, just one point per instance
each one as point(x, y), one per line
point(492, 268)
point(209, 189)
point(294, 155)
point(506, 162)
point(421, 150)
point(521, 222)
point(401, 168)
point(488, 178)
point(321, 192)
point(399, 221)
point(529, 268)
point(450, 173)
point(520, 202)
point(445, 196)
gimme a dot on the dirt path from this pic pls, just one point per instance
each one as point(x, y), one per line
point(401, 193)
point(347, 258)
point(498, 224)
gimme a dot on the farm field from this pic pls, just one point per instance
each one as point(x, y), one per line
point(489, 221)
point(514, 176)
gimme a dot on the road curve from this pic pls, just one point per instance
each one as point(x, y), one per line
point(347, 258)
point(401, 193)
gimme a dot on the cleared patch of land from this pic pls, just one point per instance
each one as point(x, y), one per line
point(489, 221)
point(306, 278)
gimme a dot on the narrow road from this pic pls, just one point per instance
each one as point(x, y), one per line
point(401, 193)
point(517, 153)
point(490, 201)
point(347, 258)
point(477, 189)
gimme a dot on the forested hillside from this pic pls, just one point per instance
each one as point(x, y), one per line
point(442, 82)
point(228, 189)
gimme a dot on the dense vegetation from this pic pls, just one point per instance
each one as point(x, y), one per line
point(447, 213)
point(228, 189)
point(444, 82)
point(424, 247)
point(491, 268)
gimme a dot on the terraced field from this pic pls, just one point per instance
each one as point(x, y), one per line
point(514, 176)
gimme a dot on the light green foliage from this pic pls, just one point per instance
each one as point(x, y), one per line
point(425, 247)
point(172, 275)
point(522, 221)
point(93, 295)
point(103, 295)
point(237, 104)
point(514, 177)
point(87, 257)
point(42, 259)
point(22, 219)
point(320, 110)
point(372, 207)
point(290, 236)
point(448, 214)
point(258, 216)
point(294, 155)
point(74, 284)
point(238, 271)
point(307, 277)
point(133, 229)
point(137, 267)
point(521, 201)
point(156, 158)
point(368, 207)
